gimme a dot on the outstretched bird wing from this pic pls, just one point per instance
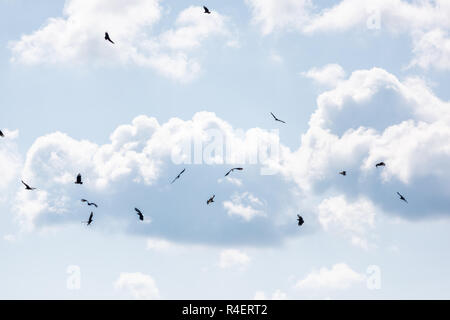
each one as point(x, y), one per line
point(228, 172)
point(1, 133)
point(27, 186)
point(138, 211)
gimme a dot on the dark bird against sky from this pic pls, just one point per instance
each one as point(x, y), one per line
point(231, 170)
point(1, 134)
point(139, 213)
point(300, 220)
point(402, 197)
point(178, 176)
point(380, 164)
point(91, 216)
point(89, 203)
point(107, 38)
point(79, 179)
point(276, 119)
point(27, 187)
point(344, 173)
point(210, 200)
point(206, 10)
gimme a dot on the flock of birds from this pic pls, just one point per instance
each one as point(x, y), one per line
point(211, 199)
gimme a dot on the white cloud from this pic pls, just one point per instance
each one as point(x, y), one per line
point(77, 37)
point(233, 258)
point(156, 244)
point(329, 75)
point(139, 285)
point(235, 181)
point(354, 219)
point(277, 295)
point(395, 16)
point(9, 238)
point(339, 277)
point(237, 206)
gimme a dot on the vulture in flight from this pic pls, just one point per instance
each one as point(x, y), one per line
point(210, 200)
point(300, 220)
point(79, 179)
point(1, 134)
point(206, 10)
point(381, 164)
point(139, 213)
point(178, 176)
point(231, 170)
point(276, 119)
point(89, 203)
point(27, 187)
point(90, 219)
point(107, 38)
point(344, 173)
point(402, 197)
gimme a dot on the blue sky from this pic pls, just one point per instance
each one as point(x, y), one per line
point(357, 82)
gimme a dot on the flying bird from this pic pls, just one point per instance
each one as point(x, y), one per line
point(89, 203)
point(210, 200)
point(79, 179)
point(90, 219)
point(381, 164)
point(231, 170)
point(1, 134)
point(300, 220)
point(402, 197)
point(107, 38)
point(206, 10)
point(27, 187)
point(178, 176)
point(344, 173)
point(276, 119)
point(139, 213)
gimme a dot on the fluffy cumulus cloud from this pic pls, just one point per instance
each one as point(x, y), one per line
point(328, 75)
point(339, 277)
point(355, 220)
point(135, 170)
point(233, 258)
point(77, 37)
point(370, 117)
point(426, 22)
point(141, 286)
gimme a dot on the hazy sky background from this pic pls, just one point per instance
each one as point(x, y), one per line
point(358, 82)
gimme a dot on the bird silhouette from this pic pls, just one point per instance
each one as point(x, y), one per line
point(107, 38)
point(300, 220)
point(210, 200)
point(231, 170)
point(79, 179)
point(402, 197)
point(139, 213)
point(344, 173)
point(206, 10)
point(89, 203)
point(91, 216)
point(276, 119)
point(1, 134)
point(178, 176)
point(380, 164)
point(27, 187)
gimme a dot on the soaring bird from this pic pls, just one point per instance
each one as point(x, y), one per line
point(206, 10)
point(79, 179)
point(344, 173)
point(402, 197)
point(300, 220)
point(27, 187)
point(381, 164)
point(107, 38)
point(231, 170)
point(1, 134)
point(276, 119)
point(210, 200)
point(89, 203)
point(90, 219)
point(139, 213)
point(178, 176)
